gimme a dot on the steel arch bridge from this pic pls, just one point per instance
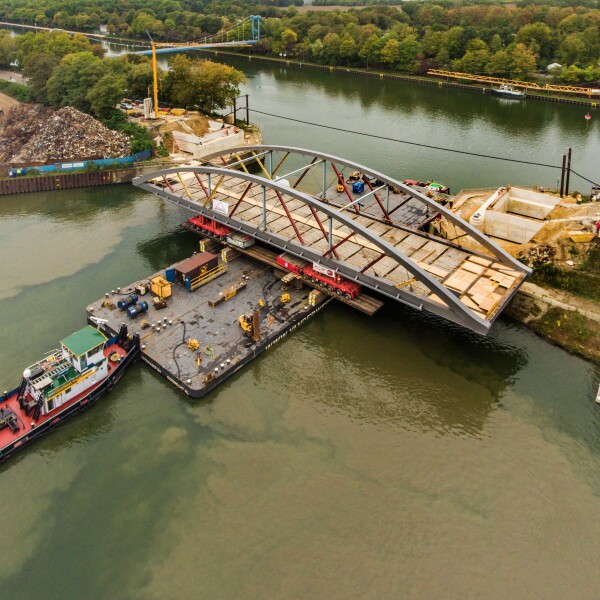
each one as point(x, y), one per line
point(372, 237)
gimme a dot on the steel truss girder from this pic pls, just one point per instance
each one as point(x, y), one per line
point(454, 310)
point(501, 254)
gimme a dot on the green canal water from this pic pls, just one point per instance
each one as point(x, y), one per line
point(388, 457)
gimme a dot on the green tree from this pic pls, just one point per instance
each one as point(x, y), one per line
point(348, 49)
point(571, 74)
point(572, 49)
point(72, 78)
point(538, 37)
point(37, 70)
point(499, 64)
point(140, 80)
point(331, 47)
point(288, 39)
point(105, 94)
point(408, 52)
point(7, 48)
point(455, 42)
point(496, 43)
point(390, 53)
point(474, 61)
point(370, 52)
point(202, 83)
point(522, 61)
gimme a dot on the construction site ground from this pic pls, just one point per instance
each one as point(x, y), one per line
point(552, 241)
point(6, 102)
point(565, 319)
point(192, 123)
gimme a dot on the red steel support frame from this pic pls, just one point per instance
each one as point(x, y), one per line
point(168, 184)
point(334, 248)
point(341, 180)
point(240, 200)
point(316, 216)
point(387, 216)
point(202, 184)
point(314, 160)
point(289, 216)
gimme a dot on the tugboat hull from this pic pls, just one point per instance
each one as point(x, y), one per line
point(30, 430)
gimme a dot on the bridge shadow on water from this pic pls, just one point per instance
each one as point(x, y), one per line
point(405, 369)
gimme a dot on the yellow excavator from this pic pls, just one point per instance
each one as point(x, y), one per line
point(245, 322)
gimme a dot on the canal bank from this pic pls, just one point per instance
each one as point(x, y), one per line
point(429, 80)
point(569, 321)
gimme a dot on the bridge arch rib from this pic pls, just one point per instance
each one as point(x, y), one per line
point(263, 150)
point(302, 224)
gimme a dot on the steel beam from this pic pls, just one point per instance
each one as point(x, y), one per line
point(502, 255)
point(453, 309)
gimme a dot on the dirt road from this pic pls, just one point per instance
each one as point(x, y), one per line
point(7, 102)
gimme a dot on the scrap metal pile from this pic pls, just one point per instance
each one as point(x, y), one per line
point(33, 133)
point(544, 253)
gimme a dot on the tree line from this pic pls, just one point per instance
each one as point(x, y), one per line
point(186, 19)
point(491, 37)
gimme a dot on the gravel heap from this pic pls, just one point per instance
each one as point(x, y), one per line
point(33, 133)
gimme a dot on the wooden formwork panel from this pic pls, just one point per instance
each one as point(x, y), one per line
point(449, 260)
point(364, 221)
point(419, 288)
point(434, 270)
point(386, 266)
point(321, 246)
point(411, 244)
point(311, 236)
point(460, 280)
point(434, 250)
point(397, 236)
point(254, 215)
point(370, 254)
point(348, 249)
point(277, 220)
point(380, 229)
point(287, 232)
point(356, 260)
point(423, 253)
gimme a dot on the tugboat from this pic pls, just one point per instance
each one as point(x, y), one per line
point(63, 383)
point(507, 91)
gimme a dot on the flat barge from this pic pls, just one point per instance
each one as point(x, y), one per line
point(200, 336)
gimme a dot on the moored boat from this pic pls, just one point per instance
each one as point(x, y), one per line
point(434, 186)
point(64, 382)
point(507, 91)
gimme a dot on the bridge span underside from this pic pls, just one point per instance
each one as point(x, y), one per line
point(364, 237)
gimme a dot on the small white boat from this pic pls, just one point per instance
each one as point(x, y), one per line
point(598, 396)
point(507, 91)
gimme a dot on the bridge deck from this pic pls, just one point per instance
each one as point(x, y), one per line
point(482, 283)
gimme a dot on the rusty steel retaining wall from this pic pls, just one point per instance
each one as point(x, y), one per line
point(46, 183)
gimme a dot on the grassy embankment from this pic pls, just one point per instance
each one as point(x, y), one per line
point(576, 326)
point(17, 91)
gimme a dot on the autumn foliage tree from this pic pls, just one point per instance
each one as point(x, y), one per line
point(202, 84)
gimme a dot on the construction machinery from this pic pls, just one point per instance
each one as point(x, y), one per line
point(211, 42)
point(530, 85)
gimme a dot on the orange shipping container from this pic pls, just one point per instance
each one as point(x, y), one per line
point(160, 287)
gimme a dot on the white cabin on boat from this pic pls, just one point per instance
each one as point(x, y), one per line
point(67, 372)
